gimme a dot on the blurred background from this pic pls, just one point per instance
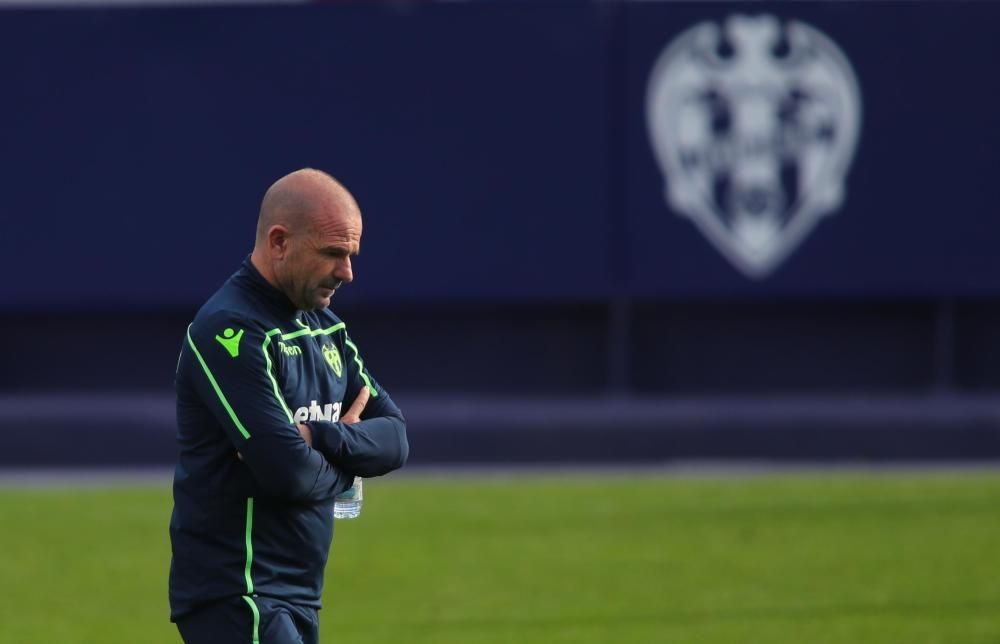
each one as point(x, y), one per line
point(524, 278)
point(617, 234)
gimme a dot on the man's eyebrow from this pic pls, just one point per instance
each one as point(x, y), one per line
point(339, 249)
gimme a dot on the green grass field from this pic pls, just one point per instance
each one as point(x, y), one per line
point(533, 559)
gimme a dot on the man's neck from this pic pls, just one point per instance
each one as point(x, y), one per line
point(264, 268)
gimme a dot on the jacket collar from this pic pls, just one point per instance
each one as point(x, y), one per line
point(249, 277)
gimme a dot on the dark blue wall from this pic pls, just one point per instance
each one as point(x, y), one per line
point(141, 141)
point(519, 259)
point(499, 150)
point(514, 209)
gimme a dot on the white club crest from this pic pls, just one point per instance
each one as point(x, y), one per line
point(754, 127)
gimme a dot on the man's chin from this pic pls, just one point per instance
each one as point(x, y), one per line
point(324, 301)
point(317, 304)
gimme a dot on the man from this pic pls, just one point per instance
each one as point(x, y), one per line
point(262, 377)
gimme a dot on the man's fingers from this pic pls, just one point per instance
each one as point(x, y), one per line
point(353, 414)
point(306, 433)
point(359, 403)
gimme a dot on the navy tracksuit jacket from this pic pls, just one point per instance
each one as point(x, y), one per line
point(251, 367)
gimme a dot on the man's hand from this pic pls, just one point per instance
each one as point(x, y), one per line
point(353, 414)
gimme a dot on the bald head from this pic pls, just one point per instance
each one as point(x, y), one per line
point(302, 200)
point(308, 230)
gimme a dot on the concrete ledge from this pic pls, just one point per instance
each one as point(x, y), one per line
point(138, 429)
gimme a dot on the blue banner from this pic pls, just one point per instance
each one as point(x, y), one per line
point(508, 151)
point(905, 208)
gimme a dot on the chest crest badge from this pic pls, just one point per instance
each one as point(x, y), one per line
point(333, 359)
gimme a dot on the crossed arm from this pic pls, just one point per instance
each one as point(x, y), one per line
point(365, 448)
point(284, 459)
point(352, 416)
point(372, 446)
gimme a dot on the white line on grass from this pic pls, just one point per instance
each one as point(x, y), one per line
point(61, 477)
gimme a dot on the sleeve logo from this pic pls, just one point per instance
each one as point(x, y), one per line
point(231, 341)
point(333, 359)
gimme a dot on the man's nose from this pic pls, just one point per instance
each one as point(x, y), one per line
point(343, 270)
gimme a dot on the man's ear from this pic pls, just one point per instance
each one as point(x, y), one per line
point(277, 241)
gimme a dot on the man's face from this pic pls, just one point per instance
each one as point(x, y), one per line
point(318, 259)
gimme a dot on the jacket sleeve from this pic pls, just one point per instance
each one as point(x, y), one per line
point(236, 380)
point(375, 446)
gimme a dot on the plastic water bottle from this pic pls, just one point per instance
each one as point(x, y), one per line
point(347, 505)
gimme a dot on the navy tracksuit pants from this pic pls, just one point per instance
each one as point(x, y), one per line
point(250, 620)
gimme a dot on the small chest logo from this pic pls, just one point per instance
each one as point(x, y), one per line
point(290, 350)
point(333, 359)
point(754, 124)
